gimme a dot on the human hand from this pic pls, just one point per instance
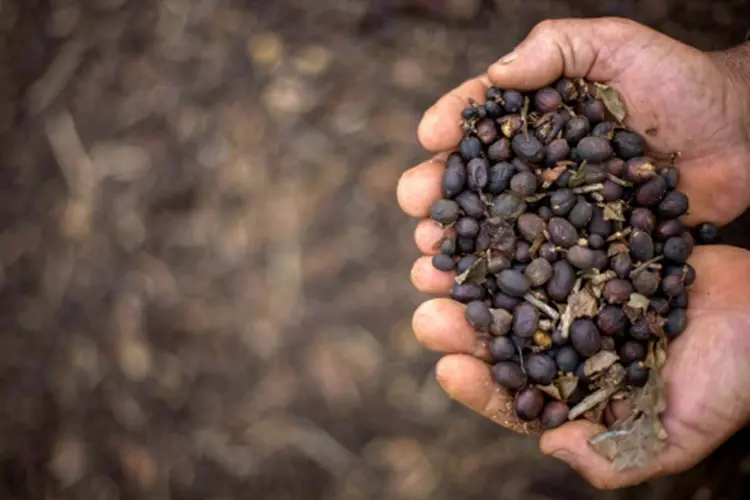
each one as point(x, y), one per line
point(705, 406)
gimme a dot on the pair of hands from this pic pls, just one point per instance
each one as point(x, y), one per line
point(681, 100)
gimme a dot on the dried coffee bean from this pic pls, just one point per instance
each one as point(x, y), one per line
point(676, 250)
point(523, 252)
point(527, 148)
point(504, 301)
point(660, 305)
point(581, 214)
point(632, 350)
point(513, 283)
point(523, 184)
point(521, 166)
point(643, 219)
point(594, 110)
point(494, 94)
point(599, 225)
point(444, 211)
point(525, 320)
point(673, 205)
point(628, 144)
point(547, 100)
point(540, 368)
point(448, 246)
point(477, 173)
point(512, 101)
point(681, 301)
point(554, 414)
point(470, 147)
point(561, 284)
point(595, 174)
point(671, 175)
point(689, 242)
point(585, 337)
point(465, 245)
point(641, 246)
point(486, 130)
point(612, 321)
point(467, 227)
point(600, 260)
point(640, 169)
point(539, 272)
point(621, 264)
point(637, 374)
point(502, 349)
point(562, 232)
point(672, 286)
point(478, 315)
point(467, 291)
point(499, 177)
point(507, 206)
point(471, 204)
point(594, 149)
point(651, 192)
point(676, 323)
point(567, 359)
point(581, 257)
point(530, 226)
point(617, 291)
point(562, 202)
point(548, 251)
point(545, 213)
point(493, 109)
point(509, 375)
point(604, 129)
point(597, 242)
point(443, 262)
point(564, 179)
point(497, 262)
point(615, 166)
point(567, 89)
point(465, 263)
point(707, 233)
point(576, 129)
point(557, 150)
point(528, 403)
point(646, 283)
point(611, 191)
point(640, 330)
point(454, 180)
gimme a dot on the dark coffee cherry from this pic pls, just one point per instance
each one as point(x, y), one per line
point(600, 260)
point(528, 403)
point(545, 213)
point(490, 283)
point(523, 184)
point(651, 192)
point(493, 109)
point(597, 242)
point(465, 245)
point(676, 323)
point(669, 228)
point(585, 337)
point(521, 166)
point(540, 368)
point(522, 253)
point(512, 101)
point(443, 262)
point(562, 232)
point(467, 291)
point(641, 246)
point(567, 89)
point(554, 414)
point(686, 272)
point(547, 100)
point(528, 148)
point(525, 320)
point(562, 202)
point(580, 256)
point(478, 315)
point(617, 291)
point(497, 262)
point(477, 173)
point(465, 263)
point(673, 205)
point(680, 301)
point(539, 272)
point(595, 174)
point(454, 180)
point(594, 110)
point(470, 147)
point(671, 175)
point(469, 113)
point(632, 350)
point(640, 330)
point(561, 284)
point(567, 359)
point(637, 374)
point(494, 94)
point(660, 305)
point(584, 380)
point(646, 283)
point(643, 219)
point(548, 251)
point(604, 129)
point(531, 226)
point(581, 213)
point(621, 264)
point(502, 349)
point(486, 130)
point(672, 286)
point(444, 211)
point(707, 233)
point(499, 150)
point(689, 242)
point(448, 246)
point(498, 178)
point(612, 321)
point(615, 166)
point(599, 225)
point(594, 149)
point(628, 144)
point(507, 206)
point(467, 227)
point(513, 283)
point(557, 150)
point(611, 191)
point(509, 375)
point(504, 301)
point(576, 129)
point(676, 249)
point(564, 179)
point(640, 169)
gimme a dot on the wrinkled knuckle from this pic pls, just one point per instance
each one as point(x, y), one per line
point(546, 28)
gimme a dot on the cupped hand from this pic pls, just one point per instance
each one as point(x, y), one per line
point(680, 96)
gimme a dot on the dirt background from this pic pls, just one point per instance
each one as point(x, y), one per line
point(204, 280)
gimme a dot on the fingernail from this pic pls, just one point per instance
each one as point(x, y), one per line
point(508, 58)
point(563, 456)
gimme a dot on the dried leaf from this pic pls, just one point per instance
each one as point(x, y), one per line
point(656, 324)
point(589, 402)
point(542, 306)
point(602, 278)
point(542, 339)
point(638, 301)
point(596, 414)
point(551, 390)
point(476, 272)
point(580, 304)
point(614, 211)
point(617, 248)
point(613, 377)
point(599, 362)
point(551, 175)
point(579, 176)
point(611, 99)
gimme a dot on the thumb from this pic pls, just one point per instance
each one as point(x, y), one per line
point(575, 48)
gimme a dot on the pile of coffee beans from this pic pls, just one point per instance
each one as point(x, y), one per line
point(565, 238)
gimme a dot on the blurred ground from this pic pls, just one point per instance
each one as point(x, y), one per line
point(204, 272)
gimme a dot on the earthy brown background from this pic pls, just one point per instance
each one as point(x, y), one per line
point(204, 273)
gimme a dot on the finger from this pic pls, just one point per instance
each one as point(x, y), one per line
point(440, 325)
point(429, 280)
point(574, 48)
point(469, 381)
point(428, 235)
point(700, 185)
point(439, 129)
point(419, 187)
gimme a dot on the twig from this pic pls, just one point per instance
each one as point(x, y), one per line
point(620, 234)
point(619, 181)
point(546, 309)
point(590, 188)
point(644, 265)
point(591, 401)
